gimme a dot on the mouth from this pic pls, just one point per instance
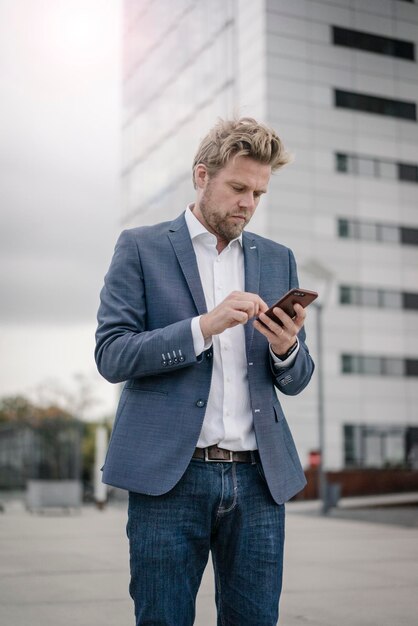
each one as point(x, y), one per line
point(238, 217)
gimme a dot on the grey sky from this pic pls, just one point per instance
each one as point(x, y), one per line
point(59, 152)
point(59, 177)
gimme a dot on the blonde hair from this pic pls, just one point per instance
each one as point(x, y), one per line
point(240, 137)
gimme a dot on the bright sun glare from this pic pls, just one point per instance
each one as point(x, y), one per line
point(77, 31)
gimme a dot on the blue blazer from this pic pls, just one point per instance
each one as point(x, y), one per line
point(151, 293)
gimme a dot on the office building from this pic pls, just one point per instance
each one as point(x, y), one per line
point(338, 79)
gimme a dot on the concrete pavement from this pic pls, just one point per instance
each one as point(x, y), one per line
point(72, 570)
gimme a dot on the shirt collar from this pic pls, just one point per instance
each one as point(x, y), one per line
point(196, 228)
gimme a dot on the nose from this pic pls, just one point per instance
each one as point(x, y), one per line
point(247, 201)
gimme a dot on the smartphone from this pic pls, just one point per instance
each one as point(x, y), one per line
point(286, 302)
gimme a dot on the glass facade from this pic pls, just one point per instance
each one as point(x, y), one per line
point(373, 104)
point(378, 365)
point(370, 42)
point(381, 298)
point(375, 446)
point(375, 231)
point(376, 168)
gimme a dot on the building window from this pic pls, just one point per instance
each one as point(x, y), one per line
point(371, 365)
point(350, 452)
point(391, 299)
point(387, 169)
point(347, 295)
point(369, 297)
point(410, 301)
point(411, 367)
point(393, 367)
point(369, 231)
point(349, 364)
point(341, 162)
point(376, 168)
point(378, 298)
point(388, 233)
point(365, 167)
point(408, 172)
point(373, 43)
point(365, 365)
point(377, 446)
point(409, 236)
point(374, 104)
point(345, 229)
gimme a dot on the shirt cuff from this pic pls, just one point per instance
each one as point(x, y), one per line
point(198, 339)
point(281, 365)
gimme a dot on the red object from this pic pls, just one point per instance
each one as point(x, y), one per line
point(314, 458)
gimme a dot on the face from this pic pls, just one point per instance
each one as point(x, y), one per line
point(226, 201)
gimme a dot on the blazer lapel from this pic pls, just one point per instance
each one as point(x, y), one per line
point(183, 248)
point(252, 276)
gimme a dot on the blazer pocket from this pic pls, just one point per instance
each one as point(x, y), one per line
point(152, 385)
point(278, 412)
point(147, 391)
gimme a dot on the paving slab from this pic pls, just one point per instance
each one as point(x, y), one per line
point(73, 570)
point(349, 573)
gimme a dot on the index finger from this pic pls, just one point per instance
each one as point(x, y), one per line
point(259, 305)
point(262, 306)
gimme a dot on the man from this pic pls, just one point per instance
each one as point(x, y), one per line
point(200, 440)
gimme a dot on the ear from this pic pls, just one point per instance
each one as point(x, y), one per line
point(201, 175)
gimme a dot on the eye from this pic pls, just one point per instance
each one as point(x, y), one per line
point(237, 188)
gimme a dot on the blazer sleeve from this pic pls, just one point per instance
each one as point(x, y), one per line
point(294, 379)
point(124, 348)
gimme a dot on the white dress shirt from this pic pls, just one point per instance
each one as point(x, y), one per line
point(228, 419)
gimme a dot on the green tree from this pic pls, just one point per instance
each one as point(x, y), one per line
point(15, 409)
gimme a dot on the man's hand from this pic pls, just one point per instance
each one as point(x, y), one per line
point(281, 338)
point(237, 308)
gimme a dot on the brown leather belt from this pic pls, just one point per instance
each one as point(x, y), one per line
point(215, 454)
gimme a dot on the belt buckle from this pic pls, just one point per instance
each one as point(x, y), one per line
point(209, 460)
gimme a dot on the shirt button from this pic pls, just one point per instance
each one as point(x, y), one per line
point(200, 403)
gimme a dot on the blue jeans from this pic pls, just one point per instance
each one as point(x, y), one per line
point(225, 508)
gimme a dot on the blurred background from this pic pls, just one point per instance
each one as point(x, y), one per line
point(60, 69)
point(59, 189)
point(103, 105)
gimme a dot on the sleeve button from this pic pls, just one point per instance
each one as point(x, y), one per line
point(200, 403)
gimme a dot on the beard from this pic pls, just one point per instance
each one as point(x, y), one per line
point(220, 223)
